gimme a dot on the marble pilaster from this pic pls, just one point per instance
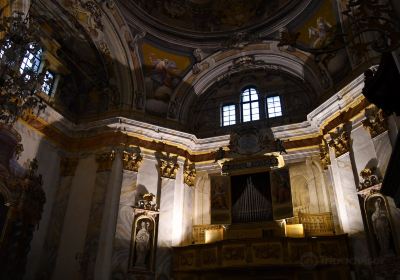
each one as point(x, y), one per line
point(109, 222)
point(102, 183)
point(165, 229)
point(123, 232)
point(52, 240)
point(74, 229)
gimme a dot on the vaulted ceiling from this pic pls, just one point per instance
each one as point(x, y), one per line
point(157, 61)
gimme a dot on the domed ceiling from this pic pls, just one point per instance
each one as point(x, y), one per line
point(212, 15)
point(159, 60)
point(210, 19)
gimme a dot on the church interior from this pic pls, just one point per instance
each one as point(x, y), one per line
point(199, 139)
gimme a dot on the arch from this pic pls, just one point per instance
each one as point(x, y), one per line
point(222, 64)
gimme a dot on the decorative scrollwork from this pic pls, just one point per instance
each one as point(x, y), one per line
point(131, 159)
point(324, 154)
point(375, 121)
point(189, 173)
point(167, 164)
point(105, 161)
point(340, 141)
point(148, 202)
point(370, 178)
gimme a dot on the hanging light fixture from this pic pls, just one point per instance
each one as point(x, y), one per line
point(20, 80)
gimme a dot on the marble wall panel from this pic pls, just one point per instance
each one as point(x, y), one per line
point(202, 214)
point(94, 224)
point(363, 151)
point(148, 176)
point(383, 149)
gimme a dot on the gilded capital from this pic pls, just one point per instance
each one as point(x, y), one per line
point(340, 141)
point(167, 164)
point(68, 166)
point(189, 173)
point(104, 161)
point(324, 154)
point(375, 121)
point(131, 159)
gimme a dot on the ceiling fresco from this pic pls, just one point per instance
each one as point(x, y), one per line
point(163, 71)
point(211, 15)
point(158, 61)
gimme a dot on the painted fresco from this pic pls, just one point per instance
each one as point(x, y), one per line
point(163, 71)
point(319, 30)
point(220, 199)
point(211, 16)
point(281, 194)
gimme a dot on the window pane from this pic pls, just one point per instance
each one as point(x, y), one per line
point(48, 82)
point(254, 105)
point(228, 115)
point(246, 118)
point(274, 106)
point(246, 106)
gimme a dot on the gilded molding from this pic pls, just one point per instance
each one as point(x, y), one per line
point(375, 121)
point(167, 164)
point(324, 154)
point(340, 141)
point(189, 173)
point(105, 161)
point(68, 166)
point(131, 159)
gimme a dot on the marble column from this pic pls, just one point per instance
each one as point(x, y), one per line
point(347, 200)
point(52, 240)
point(189, 177)
point(168, 168)
point(102, 183)
point(128, 194)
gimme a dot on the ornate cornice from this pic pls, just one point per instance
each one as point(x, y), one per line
point(189, 173)
point(375, 121)
point(114, 131)
point(68, 166)
point(340, 140)
point(167, 164)
point(105, 161)
point(131, 159)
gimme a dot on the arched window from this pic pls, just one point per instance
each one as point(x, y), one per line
point(250, 105)
point(31, 61)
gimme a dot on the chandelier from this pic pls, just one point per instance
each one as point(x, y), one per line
point(20, 79)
